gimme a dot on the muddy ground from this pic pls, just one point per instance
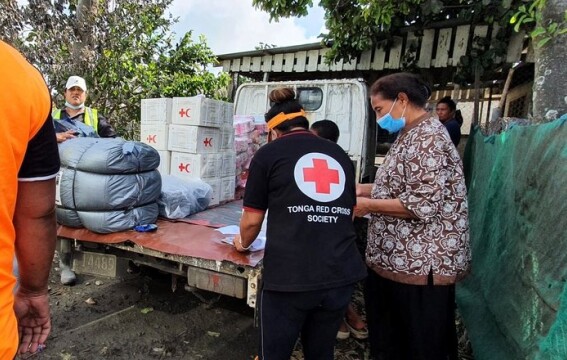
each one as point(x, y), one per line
point(141, 318)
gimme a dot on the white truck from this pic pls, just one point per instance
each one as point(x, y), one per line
point(191, 249)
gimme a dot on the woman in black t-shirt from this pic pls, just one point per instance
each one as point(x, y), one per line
point(311, 262)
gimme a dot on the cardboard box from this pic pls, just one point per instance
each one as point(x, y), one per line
point(227, 188)
point(195, 111)
point(228, 163)
point(193, 139)
point(154, 134)
point(156, 111)
point(227, 137)
point(228, 114)
point(215, 112)
point(216, 185)
point(164, 162)
point(186, 165)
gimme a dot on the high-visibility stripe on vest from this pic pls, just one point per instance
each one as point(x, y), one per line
point(90, 117)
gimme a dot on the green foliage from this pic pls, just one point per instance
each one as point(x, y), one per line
point(282, 8)
point(530, 18)
point(358, 25)
point(125, 51)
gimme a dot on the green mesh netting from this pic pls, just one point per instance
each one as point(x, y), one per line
point(514, 303)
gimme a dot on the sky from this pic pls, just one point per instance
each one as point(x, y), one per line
point(235, 25)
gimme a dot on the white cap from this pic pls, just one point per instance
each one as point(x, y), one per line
point(76, 81)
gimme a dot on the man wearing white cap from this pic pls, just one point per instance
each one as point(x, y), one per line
point(70, 122)
point(76, 120)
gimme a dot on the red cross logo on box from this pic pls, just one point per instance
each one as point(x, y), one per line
point(184, 168)
point(320, 177)
point(184, 112)
point(151, 139)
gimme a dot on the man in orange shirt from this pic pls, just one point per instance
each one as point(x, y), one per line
point(29, 162)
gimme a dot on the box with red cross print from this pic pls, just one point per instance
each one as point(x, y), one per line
point(194, 139)
point(155, 135)
point(184, 165)
point(156, 111)
point(197, 111)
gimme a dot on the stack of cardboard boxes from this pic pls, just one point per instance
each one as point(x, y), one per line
point(195, 139)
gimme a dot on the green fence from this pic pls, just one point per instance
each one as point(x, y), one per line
point(514, 303)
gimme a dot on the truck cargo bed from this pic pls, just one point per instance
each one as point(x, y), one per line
point(187, 247)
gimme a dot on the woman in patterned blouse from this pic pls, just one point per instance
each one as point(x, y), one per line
point(418, 234)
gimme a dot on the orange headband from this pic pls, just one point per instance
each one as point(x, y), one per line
point(281, 117)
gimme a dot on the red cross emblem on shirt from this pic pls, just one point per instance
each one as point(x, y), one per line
point(321, 175)
point(208, 142)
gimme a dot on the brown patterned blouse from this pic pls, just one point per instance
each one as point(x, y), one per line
point(424, 171)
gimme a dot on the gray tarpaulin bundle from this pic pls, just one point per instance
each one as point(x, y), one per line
point(107, 185)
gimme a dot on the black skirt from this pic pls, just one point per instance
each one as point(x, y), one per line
point(410, 322)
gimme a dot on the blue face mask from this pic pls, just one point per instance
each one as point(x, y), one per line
point(388, 123)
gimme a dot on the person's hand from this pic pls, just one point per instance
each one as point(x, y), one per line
point(34, 322)
point(362, 206)
point(69, 134)
point(238, 244)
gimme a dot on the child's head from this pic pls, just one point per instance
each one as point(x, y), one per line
point(326, 129)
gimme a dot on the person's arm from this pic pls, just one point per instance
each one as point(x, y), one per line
point(250, 226)
point(390, 207)
point(62, 136)
point(35, 226)
point(105, 130)
point(364, 190)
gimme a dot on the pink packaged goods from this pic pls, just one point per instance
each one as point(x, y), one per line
point(243, 124)
point(241, 144)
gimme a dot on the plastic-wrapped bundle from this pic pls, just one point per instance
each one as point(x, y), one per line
point(82, 190)
point(107, 185)
point(105, 222)
point(183, 197)
point(108, 156)
point(243, 124)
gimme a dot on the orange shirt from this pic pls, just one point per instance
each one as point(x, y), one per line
point(24, 107)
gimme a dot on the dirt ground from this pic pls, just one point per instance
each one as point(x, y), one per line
point(141, 318)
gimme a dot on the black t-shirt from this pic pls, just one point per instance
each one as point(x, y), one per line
point(454, 129)
point(41, 160)
point(308, 186)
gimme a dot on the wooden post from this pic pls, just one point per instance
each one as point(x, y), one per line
point(476, 93)
point(233, 86)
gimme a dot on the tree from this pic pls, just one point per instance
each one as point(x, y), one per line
point(124, 49)
point(547, 22)
point(358, 25)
